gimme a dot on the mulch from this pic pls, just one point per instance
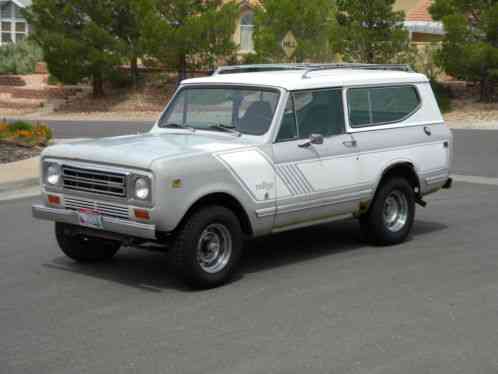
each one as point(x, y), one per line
point(11, 152)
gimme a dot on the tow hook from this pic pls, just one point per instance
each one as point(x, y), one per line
point(419, 201)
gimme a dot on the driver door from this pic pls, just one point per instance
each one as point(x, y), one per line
point(320, 174)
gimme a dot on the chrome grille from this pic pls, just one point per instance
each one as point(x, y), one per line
point(94, 181)
point(106, 209)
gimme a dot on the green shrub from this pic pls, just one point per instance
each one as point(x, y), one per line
point(20, 126)
point(20, 58)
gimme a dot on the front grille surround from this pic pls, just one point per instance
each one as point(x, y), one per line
point(94, 181)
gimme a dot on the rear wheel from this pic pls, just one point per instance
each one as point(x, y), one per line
point(208, 246)
point(390, 217)
point(83, 248)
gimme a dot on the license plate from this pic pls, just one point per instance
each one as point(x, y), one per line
point(90, 219)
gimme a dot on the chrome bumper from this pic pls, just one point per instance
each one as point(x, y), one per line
point(115, 225)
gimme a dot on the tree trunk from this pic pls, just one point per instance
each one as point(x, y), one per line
point(134, 71)
point(98, 85)
point(486, 90)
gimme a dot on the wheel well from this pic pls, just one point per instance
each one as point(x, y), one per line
point(227, 201)
point(405, 170)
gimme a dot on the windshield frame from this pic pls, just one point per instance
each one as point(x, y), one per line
point(247, 87)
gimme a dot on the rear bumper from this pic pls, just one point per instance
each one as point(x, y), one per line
point(114, 225)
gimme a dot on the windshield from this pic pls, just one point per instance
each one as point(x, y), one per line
point(236, 109)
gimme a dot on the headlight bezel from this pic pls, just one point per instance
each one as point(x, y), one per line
point(147, 185)
point(47, 166)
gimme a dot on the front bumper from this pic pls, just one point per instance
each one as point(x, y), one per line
point(114, 225)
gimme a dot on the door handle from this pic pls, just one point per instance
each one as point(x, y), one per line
point(350, 143)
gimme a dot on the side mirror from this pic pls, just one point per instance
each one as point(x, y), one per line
point(313, 139)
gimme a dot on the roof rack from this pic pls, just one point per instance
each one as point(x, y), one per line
point(393, 67)
point(307, 67)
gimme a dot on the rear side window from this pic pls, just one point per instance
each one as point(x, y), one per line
point(380, 105)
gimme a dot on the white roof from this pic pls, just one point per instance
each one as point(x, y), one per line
point(293, 79)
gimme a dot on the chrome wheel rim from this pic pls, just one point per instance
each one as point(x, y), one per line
point(395, 213)
point(214, 248)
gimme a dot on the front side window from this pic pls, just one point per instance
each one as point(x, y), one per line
point(381, 105)
point(316, 112)
point(247, 110)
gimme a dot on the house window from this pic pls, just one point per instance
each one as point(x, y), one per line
point(13, 27)
point(6, 10)
point(246, 32)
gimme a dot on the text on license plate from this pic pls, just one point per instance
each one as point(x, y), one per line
point(90, 219)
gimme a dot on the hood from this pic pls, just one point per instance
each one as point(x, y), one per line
point(140, 151)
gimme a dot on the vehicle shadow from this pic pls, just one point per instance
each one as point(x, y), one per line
point(152, 271)
point(313, 242)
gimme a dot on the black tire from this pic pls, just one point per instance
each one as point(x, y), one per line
point(378, 229)
point(185, 250)
point(84, 249)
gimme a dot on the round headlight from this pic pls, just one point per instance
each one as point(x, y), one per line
point(53, 174)
point(142, 188)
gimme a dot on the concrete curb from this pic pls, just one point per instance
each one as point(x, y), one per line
point(19, 185)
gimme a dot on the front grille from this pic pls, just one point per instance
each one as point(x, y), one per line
point(94, 181)
point(106, 209)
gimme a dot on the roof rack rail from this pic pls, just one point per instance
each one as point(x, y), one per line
point(307, 67)
point(394, 67)
point(254, 68)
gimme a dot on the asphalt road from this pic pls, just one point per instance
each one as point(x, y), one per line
point(312, 301)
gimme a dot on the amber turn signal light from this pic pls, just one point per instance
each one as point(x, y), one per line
point(142, 214)
point(54, 200)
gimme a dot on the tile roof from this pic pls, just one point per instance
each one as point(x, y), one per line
point(420, 12)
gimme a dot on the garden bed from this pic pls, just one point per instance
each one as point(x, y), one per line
point(22, 140)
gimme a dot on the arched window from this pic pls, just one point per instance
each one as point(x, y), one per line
point(246, 31)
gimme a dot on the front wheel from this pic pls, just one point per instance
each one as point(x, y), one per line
point(390, 217)
point(83, 248)
point(208, 246)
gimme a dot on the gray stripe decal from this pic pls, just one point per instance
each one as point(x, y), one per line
point(285, 179)
point(304, 179)
point(291, 180)
point(295, 181)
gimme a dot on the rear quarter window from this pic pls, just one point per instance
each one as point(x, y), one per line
point(376, 106)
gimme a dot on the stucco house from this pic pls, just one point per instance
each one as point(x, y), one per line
point(418, 22)
point(13, 26)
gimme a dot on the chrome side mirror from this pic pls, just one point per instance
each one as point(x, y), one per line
point(313, 139)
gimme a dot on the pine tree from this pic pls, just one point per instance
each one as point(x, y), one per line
point(75, 38)
point(189, 34)
point(371, 31)
point(311, 22)
point(129, 20)
point(470, 47)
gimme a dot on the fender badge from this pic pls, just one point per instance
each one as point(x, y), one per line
point(177, 183)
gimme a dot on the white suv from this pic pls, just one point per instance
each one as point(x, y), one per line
point(243, 154)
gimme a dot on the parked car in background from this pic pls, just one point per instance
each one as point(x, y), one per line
point(244, 154)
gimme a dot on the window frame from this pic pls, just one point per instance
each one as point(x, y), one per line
point(340, 89)
point(380, 125)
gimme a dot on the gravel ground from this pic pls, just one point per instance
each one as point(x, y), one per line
point(11, 153)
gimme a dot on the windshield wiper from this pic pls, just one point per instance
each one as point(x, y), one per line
point(226, 128)
point(173, 125)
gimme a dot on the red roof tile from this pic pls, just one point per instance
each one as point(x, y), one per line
point(420, 12)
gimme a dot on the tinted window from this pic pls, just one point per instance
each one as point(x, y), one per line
point(379, 105)
point(319, 112)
